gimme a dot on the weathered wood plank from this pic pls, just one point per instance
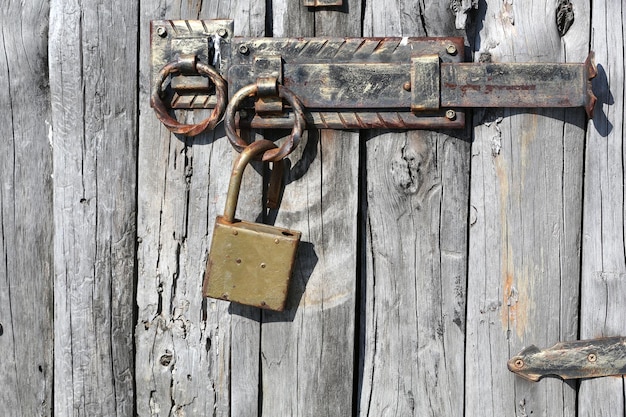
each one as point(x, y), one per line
point(93, 87)
point(195, 356)
point(413, 311)
point(26, 227)
point(525, 219)
point(603, 263)
point(307, 352)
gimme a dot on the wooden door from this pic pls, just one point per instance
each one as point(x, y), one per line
point(428, 257)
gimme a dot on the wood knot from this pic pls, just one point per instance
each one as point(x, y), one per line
point(166, 359)
point(564, 16)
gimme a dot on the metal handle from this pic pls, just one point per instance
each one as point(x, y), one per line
point(189, 63)
point(254, 90)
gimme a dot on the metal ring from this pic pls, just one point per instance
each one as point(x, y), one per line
point(162, 111)
point(292, 141)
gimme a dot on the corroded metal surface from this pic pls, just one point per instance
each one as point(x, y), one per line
point(322, 3)
point(208, 40)
point(571, 360)
point(297, 126)
point(349, 83)
point(515, 85)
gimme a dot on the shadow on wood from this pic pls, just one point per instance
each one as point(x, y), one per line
point(601, 89)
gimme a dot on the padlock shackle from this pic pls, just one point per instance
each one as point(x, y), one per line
point(256, 148)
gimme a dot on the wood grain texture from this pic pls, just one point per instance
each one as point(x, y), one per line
point(603, 262)
point(93, 86)
point(195, 356)
point(307, 352)
point(413, 306)
point(525, 218)
point(26, 227)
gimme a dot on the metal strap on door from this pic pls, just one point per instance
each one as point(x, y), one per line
point(340, 83)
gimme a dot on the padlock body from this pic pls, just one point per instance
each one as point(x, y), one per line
point(250, 263)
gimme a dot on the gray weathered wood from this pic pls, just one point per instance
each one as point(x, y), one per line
point(603, 263)
point(93, 84)
point(26, 227)
point(413, 307)
point(83, 173)
point(307, 352)
point(525, 218)
point(195, 356)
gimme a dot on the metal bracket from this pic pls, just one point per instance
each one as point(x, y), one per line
point(353, 83)
point(208, 40)
point(571, 360)
point(322, 3)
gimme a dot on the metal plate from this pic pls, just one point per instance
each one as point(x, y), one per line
point(514, 85)
point(171, 38)
point(356, 83)
point(322, 3)
point(349, 83)
point(570, 360)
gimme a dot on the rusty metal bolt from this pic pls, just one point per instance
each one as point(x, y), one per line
point(243, 49)
point(592, 357)
point(161, 31)
point(451, 49)
point(222, 32)
point(238, 260)
point(450, 114)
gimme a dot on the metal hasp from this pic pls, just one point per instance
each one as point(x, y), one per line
point(322, 3)
point(572, 360)
point(347, 83)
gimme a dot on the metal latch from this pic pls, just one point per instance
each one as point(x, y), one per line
point(572, 360)
point(322, 3)
point(342, 83)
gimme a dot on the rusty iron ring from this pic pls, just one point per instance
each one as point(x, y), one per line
point(292, 141)
point(162, 110)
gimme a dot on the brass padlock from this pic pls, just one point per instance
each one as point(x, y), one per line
point(249, 263)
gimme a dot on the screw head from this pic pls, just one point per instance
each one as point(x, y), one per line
point(450, 114)
point(519, 363)
point(592, 357)
point(451, 49)
point(243, 49)
point(263, 265)
point(407, 86)
point(161, 31)
point(222, 32)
